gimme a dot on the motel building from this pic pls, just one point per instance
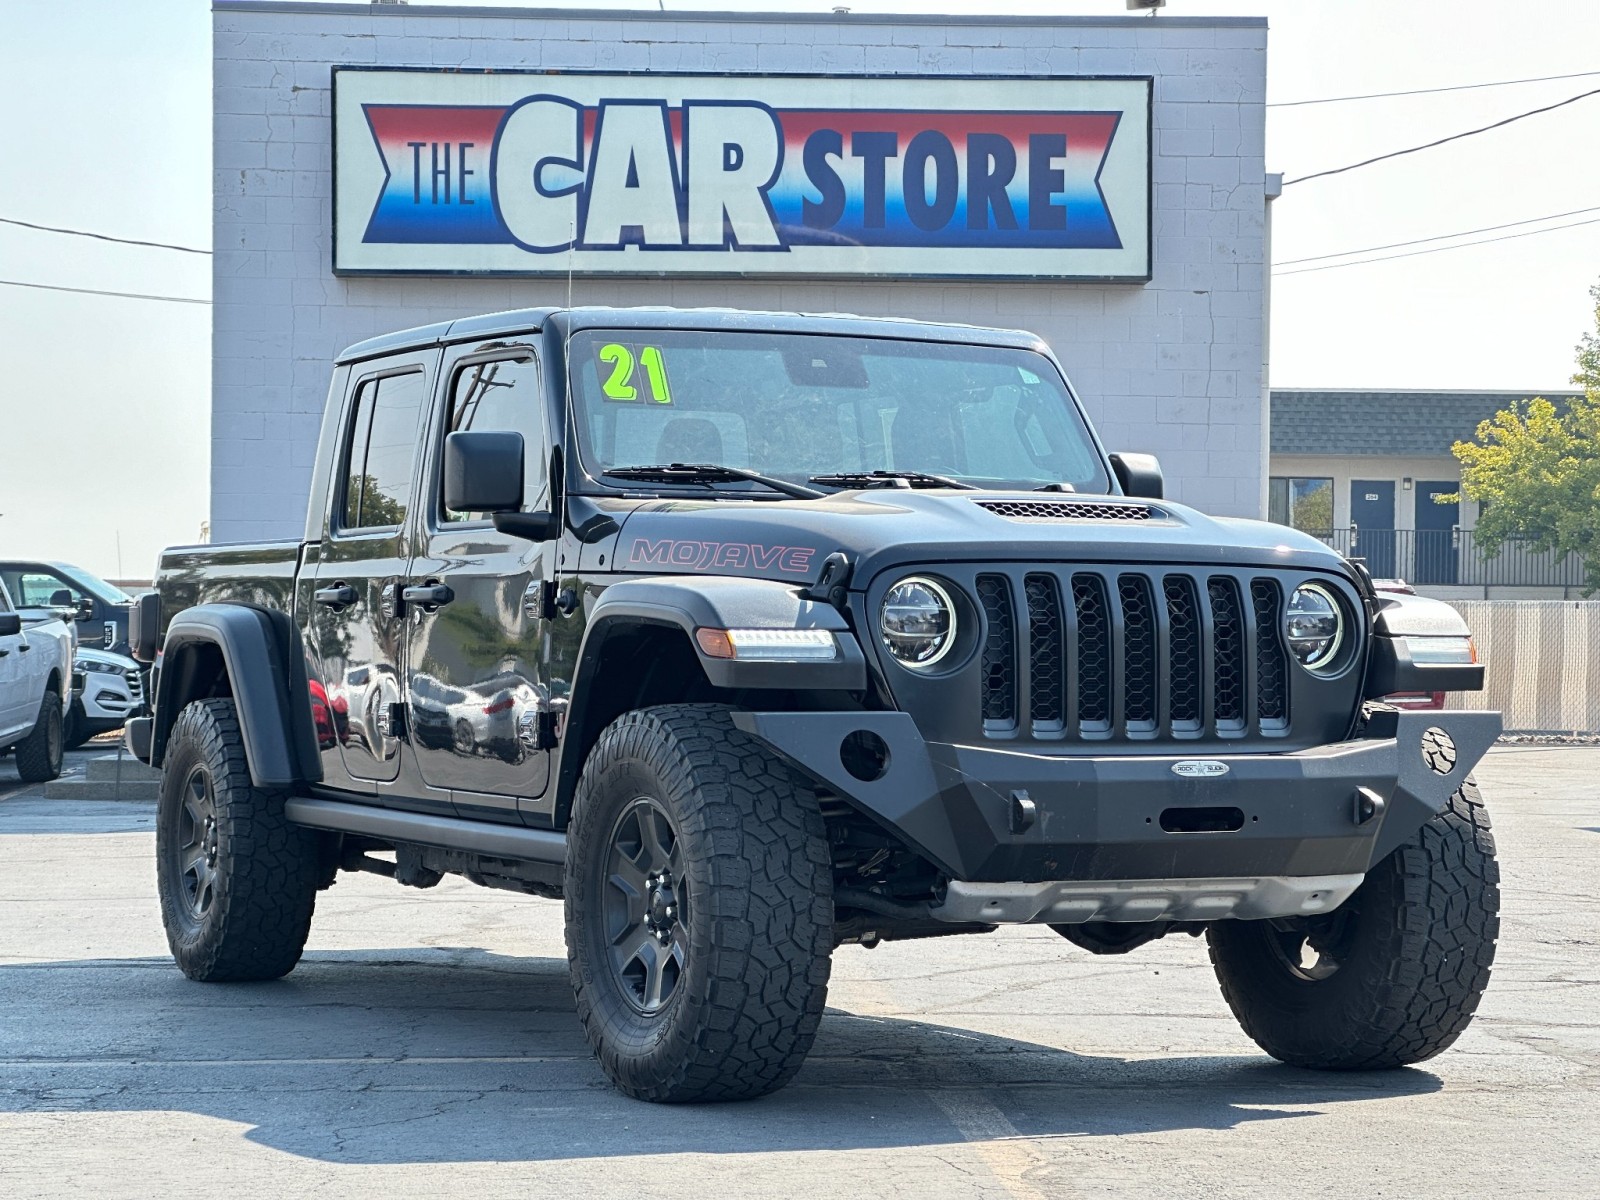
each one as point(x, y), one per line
point(1371, 474)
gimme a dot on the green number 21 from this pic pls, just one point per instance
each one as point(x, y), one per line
point(619, 384)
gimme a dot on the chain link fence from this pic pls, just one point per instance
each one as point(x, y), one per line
point(1543, 660)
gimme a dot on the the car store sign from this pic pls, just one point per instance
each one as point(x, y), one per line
point(442, 172)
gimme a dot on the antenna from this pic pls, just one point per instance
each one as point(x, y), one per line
point(566, 350)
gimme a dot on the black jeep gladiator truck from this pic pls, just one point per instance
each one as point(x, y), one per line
point(750, 635)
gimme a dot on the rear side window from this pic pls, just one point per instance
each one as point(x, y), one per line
point(502, 395)
point(382, 451)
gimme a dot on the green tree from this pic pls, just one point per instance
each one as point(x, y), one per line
point(1537, 470)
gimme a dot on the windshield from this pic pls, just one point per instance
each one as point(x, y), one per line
point(96, 586)
point(797, 406)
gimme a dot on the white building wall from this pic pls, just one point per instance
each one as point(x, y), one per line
point(1172, 367)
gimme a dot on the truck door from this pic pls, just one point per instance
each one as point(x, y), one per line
point(354, 621)
point(17, 708)
point(479, 700)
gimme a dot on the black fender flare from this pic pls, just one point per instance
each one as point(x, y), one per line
point(689, 603)
point(265, 665)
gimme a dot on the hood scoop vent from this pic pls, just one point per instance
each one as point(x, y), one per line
point(1069, 510)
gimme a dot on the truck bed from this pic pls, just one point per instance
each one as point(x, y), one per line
point(244, 572)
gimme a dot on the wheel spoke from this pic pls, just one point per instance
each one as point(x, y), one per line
point(628, 881)
point(630, 944)
point(651, 829)
point(194, 858)
point(654, 958)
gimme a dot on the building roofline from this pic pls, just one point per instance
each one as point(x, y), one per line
point(679, 16)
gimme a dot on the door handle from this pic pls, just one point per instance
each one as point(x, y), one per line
point(25, 647)
point(340, 595)
point(427, 595)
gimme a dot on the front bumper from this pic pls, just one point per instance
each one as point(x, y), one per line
point(986, 815)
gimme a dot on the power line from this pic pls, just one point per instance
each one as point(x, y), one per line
point(1460, 87)
point(1441, 237)
point(1454, 137)
point(103, 237)
point(55, 287)
point(1440, 249)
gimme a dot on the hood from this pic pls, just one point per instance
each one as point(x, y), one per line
point(882, 528)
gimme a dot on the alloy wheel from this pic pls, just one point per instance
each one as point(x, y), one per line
point(197, 844)
point(646, 906)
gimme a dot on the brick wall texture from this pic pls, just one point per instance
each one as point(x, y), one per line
point(1172, 367)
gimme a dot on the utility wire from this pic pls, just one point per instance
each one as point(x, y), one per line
point(54, 287)
point(1442, 237)
point(103, 237)
point(1460, 87)
point(1506, 237)
point(1454, 137)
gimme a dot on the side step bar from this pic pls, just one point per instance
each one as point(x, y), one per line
point(427, 829)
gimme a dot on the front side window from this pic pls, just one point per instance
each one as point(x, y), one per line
point(502, 395)
point(382, 451)
point(801, 405)
point(41, 589)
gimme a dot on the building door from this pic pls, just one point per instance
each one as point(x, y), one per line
point(1372, 513)
point(480, 704)
point(1436, 531)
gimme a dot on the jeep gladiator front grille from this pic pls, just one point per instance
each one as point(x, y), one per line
point(1106, 653)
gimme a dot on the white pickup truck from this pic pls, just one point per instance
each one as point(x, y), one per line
point(35, 687)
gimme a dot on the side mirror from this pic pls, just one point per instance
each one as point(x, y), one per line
point(10, 624)
point(1138, 475)
point(85, 609)
point(144, 627)
point(531, 526)
point(483, 471)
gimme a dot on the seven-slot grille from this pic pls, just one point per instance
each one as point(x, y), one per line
point(1100, 653)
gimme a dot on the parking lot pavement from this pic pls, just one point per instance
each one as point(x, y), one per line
point(427, 1045)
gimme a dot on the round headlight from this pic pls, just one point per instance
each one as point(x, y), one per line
point(1313, 625)
point(918, 622)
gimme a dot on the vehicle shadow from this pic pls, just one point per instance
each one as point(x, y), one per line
point(454, 1055)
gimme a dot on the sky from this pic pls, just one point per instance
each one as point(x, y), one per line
point(104, 402)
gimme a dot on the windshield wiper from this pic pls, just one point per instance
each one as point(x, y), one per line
point(906, 479)
point(709, 473)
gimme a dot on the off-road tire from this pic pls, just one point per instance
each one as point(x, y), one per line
point(39, 754)
point(759, 926)
point(265, 867)
point(1420, 947)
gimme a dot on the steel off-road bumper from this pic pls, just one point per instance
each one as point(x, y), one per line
point(1031, 837)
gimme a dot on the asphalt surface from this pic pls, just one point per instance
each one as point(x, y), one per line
point(427, 1045)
